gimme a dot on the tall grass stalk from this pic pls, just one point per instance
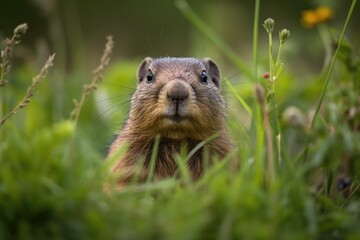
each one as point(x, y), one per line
point(207, 31)
point(88, 89)
point(272, 131)
point(98, 77)
point(260, 95)
point(269, 27)
point(256, 39)
point(7, 52)
point(269, 143)
point(271, 61)
point(259, 145)
point(5, 66)
point(266, 103)
point(30, 91)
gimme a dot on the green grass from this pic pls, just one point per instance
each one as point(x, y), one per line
point(52, 172)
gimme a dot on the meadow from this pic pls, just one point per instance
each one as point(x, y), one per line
point(297, 145)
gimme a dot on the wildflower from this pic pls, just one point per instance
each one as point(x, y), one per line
point(284, 35)
point(314, 17)
point(323, 13)
point(269, 25)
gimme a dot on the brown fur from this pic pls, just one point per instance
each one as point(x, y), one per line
point(154, 112)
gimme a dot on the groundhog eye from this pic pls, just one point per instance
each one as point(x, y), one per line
point(149, 77)
point(204, 77)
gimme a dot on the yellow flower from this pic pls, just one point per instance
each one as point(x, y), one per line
point(313, 17)
point(324, 13)
point(309, 18)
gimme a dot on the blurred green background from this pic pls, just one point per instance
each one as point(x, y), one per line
point(76, 31)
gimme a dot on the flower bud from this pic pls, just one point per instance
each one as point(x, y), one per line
point(266, 75)
point(284, 35)
point(21, 29)
point(269, 25)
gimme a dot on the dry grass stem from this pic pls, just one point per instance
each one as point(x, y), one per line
point(98, 77)
point(7, 52)
point(31, 89)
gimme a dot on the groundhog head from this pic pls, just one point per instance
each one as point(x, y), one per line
point(178, 98)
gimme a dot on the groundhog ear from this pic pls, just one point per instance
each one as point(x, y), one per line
point(143, 69)
point(213, 71)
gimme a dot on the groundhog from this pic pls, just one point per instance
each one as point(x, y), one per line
point(177, 100)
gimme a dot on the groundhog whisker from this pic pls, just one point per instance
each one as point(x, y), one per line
point(106, 115)
point(123, 101)
point(102, 118)
point(235, 74)
point(234, 117)
point(128, 95)
point(120, 86)
point(241, 83)
point(113, 109)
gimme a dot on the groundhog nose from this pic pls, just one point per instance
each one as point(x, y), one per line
point(178, 92)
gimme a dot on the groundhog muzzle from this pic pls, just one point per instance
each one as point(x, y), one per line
point(179, 100)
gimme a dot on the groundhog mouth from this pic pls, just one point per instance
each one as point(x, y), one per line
point(176, 118)
point(176, 112)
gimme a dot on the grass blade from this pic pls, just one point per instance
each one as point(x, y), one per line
point(153, 159)
point(239, 98)
point(185, 9)
point(332, 64)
